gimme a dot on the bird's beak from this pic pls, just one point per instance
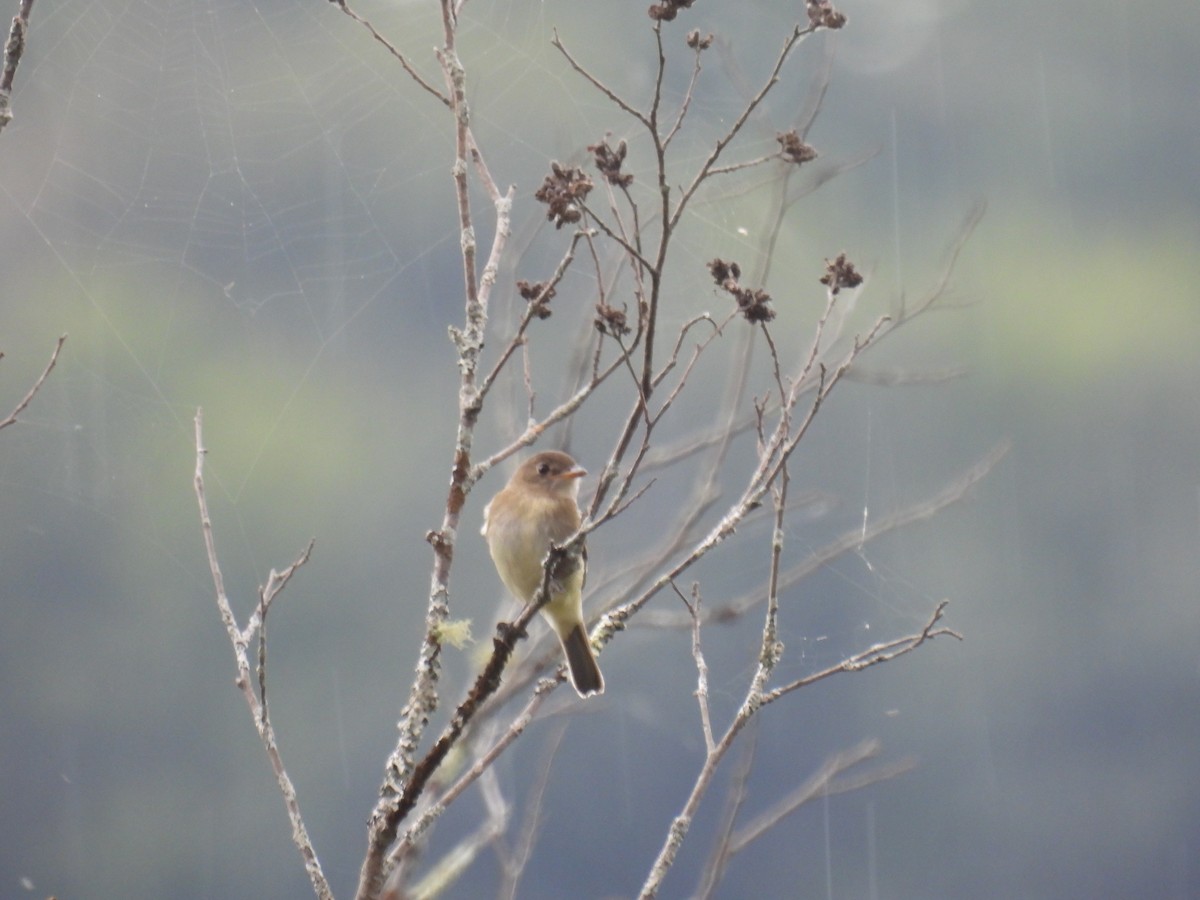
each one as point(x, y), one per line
point(577, 472)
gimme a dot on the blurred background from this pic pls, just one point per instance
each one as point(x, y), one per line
point(248, 208)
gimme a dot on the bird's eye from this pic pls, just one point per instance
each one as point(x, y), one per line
point(544, 469)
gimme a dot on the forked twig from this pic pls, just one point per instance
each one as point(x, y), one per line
point(753, 703)
point(828, 780)
point(240, 640)
point(954, 491)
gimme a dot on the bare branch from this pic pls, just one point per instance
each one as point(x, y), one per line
point(531, 312)
point(442, 876)
point(617, 238)
point(693, 609)
point(28, 398)
point(734, 129)
point(683, 333)
point(973, 218)
point(750, 707)
point(954, 491)
point(14, 49)
point(402, 781)
point(515, 865)
point(276, 582)
point(484, 761)
point(536, 429)
point(391, 48)
point(687, 98)
point(874, 655)
point(740, 166)
point(771, 648)
point(596, 83)
point(828, 780)
point(699, 349)
point(719, 858)
point(240, 642)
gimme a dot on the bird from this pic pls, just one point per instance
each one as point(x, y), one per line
point(535, 509)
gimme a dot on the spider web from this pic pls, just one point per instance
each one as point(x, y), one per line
point(248, 208)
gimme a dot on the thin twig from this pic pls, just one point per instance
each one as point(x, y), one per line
point(719, 858)
point(530, 313)
point(687, 100)
point(699, 349)
point(693, 608)
point(966, 229)
point(535, 429)
point(391, 48)
point(617, 237)
point(827, 781)
point(771, 648)
point(596, 83)
point(852, 539)
point(276, 582)
point(741, 166)
point(683, 333)
point(28, 398)
point(734, 129)
point(872, 656)
point(514, 866)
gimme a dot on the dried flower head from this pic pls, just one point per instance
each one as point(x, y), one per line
point(794, 149)
point(696, 42)
point(538, 294)
point(563, 191)
point(610, 320)
point(754, 305)
point(822, 14)
point(723, 271)
point(609, 162)
point(840, 273)
point(667, 10)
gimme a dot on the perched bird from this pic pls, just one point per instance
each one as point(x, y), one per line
point(536, 508)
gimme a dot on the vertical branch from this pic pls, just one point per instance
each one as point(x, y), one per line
point(397, 790)
point(14, 49)
point(241, 641)
point(771, 648)
point(664, 238)
point(769, 653)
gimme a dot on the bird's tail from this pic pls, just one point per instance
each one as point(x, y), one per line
point(581, 662)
